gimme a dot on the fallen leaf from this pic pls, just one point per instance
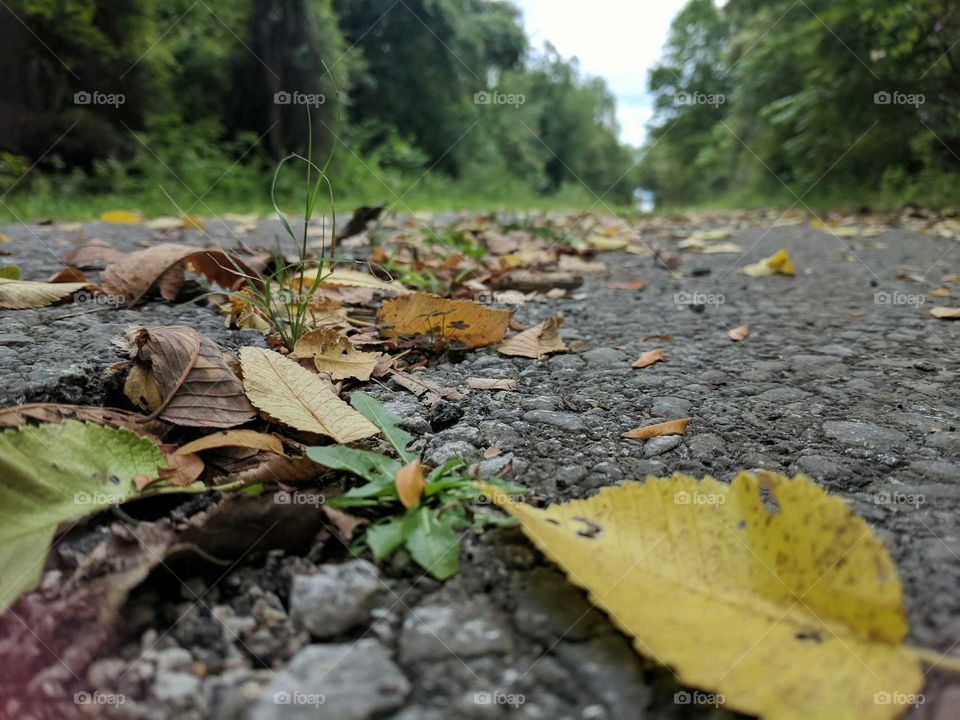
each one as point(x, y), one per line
point(463, 322)
point(141, 388)
point(68, 275)
point(10, 272)
point(190, 222)
point(296, 397)
point(92, 467)
point(945, 313)
point(354, 278)
point(536, 342)
point(121, 217)
point(670, 427)
point(94, 254)
point(419, 385)
point(130, 278)
point(777, 264)
point(858, 314)
point(576, 264)
point(345, 523)
point(249, 439)
point(940, 292)
point(24, 294)
point(648, 358)
point(635, 284)
point(334, 354)
point(491, 384)
point(358, 222)
point(53, 413)
point(796, 613)
point(196, 387)
point(182, 470)
point(728, 248)
point(661, 338)
point(410, 482)
point(738, 333)
point(492, 452)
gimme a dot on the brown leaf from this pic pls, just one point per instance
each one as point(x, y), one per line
point(52, 413)
point(530, 281)
point(234, 438)
point(72, 275)
point(410, 483)
point(738, 333)
point(462, 322)
point(536, 342)
point(94, 254)
point(491, 384)
point(197, 387)
point(419, 385)
point(492, 452)
point(183, 470)
point(648, 358)
point(635, 284)
point(141, 388)
point(345, 523)
point(670, 427)
point(334, 354)
point(660, 338)
point(131, 277)
point(945, 313)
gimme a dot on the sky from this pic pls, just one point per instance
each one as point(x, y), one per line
point(618, 40)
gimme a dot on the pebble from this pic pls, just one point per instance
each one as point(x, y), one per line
point(660, 445)
point(563, 420)
point(439, 454)
point(864, 434)
point(336, 599)
point(437, 629)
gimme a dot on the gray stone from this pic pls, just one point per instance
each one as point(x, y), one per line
point(670, 407)
point(660, 445)
point(864, 435)
point(549, 608)
point(439, 454)
point(611, 671)
point(440, 629)
point(820, 466)
point(705, 446)
point(605, 357)
point(937, 470)
point(14, 339)
point(105, 673)
point(463, 433)
point(491, 467)
point(349, 681)
point(173, 686)
point(948, 442)
point(336, 599)
point(563, 420)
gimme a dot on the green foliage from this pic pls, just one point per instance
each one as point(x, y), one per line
point(430, 531)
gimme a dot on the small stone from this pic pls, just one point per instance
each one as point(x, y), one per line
point(611, 670)
point(174, 659)
point(563, 420)
point(438, 630)
point(443, 414)
point(670, 407)
point(348, 681)
point(14, 339)
point(549, 608)
point(336, 599)
point(863, 434)
point(936, 470)
point(949, 442)
point(605, 357)
point(660, 445)
point(705, 446)
point(439, 454)
point(172, 686)
point(105, 673)
point(820, 466)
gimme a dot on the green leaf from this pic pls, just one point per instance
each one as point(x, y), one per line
point(386, 421)
point(434, 544)
point(371, 466)
point(50, 474)
point(9, 272)
point(383, 538)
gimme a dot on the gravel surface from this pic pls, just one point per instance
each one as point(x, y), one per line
point(833, 381)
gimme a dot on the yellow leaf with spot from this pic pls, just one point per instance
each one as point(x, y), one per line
point(790, 614)
point(462, 322)
point(777, 264)
point(121, 217)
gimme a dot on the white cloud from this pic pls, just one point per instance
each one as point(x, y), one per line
point(619, 40)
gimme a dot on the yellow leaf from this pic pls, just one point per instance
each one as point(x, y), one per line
point(23, 294)
point(189, 222)
point(794, 614)
point(606, 243)
point(354, 278)
point(410, 483)
point(777, 264)
point(296, 397)
point(121, 217)
point(738, 333)
point(536, 342)
point(648, 358)
point(491, 384)
point(234, 438)
point(670, 427)
point(940, 292)
point(141, 388)
point(944, 313)
point(464, 322)
point(333, 353)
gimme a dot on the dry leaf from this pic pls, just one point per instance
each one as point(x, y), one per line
point(196, 386)
point(945, 313)
point(354, 278)
point(635, 284)
point(249, 439)
point(410, 483)
point(141, 388)
point(491, 384)
point(536, 342)
point(68, 275)
point(648, 358)
point(661, 338)
point(121, 217)
point(182, 470)
point(858, 314)
point(576, 264)
point(738, 333)
point(345, 523)
point(419, 385)
point(296, 397)
point(463, 322)
point(939, 292)
point(334, 354)
point(131, 277)
point(788, 615)
point(670, 427)
point(777, 264)
point(53, 413)
point(24, 294)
